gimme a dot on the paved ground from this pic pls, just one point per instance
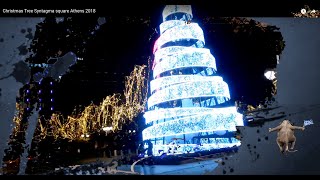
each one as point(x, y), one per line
point(194, 168)
point(197, 166)
point(98, 159)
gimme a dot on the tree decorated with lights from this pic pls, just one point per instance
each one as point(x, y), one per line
point(189, 107)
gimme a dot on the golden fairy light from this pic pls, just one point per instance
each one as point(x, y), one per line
point(307, 12)
point(114, 111)
point(18, 118)
point(274, 87)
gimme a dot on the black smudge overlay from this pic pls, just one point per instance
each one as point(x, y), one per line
point(21, 72)
point(29, 36)
point(23, 49)
point(224, 172)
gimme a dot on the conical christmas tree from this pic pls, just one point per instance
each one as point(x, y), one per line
point(189, 107)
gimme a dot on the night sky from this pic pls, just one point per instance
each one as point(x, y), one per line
point(123, 41)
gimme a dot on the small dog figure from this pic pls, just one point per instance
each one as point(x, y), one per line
point(286, 135)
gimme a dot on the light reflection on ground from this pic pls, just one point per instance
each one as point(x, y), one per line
point(194, 168)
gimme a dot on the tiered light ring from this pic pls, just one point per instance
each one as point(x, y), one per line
point(185, 112)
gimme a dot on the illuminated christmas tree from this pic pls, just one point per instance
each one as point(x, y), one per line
point(189, 108)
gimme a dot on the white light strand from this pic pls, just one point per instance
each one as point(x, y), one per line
point(159, 114)
point(174, 50)
point(177, 79)
point(187, 53)
point(193, 124)
point(187, 31)
point(190, 90)
point(171, 9)
point(213, 143)
point(183, 60)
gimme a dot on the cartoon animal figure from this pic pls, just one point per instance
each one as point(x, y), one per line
point(286, 135)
